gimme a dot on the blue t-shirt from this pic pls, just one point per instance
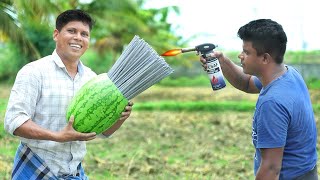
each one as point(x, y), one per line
point(284, 118)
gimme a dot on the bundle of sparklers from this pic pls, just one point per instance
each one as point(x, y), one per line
point(138, 68)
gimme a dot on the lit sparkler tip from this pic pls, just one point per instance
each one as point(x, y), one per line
point(172, 52)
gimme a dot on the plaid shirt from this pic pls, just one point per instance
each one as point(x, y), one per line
point(42, 92)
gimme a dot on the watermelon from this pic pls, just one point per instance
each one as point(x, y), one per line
point(97, 105)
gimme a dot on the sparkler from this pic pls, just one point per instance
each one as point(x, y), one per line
point(138, 68)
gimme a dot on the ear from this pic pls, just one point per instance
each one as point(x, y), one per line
point(266, 58)
point(55, 34)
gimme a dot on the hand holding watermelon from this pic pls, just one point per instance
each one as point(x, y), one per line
point(68, 133)
point(127, 111)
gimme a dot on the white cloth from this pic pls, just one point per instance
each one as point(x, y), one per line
point(42, 92)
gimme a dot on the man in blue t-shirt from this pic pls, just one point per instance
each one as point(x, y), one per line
point(284, 131)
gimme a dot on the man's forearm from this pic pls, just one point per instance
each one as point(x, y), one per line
point(234, 74)
point(113, 128)
point(31, 130)
point(268, 173)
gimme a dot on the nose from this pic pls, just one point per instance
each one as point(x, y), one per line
point(77, 36)
point(240, 56)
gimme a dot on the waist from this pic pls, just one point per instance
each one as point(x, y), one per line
point(61, 158)
point(310, 175)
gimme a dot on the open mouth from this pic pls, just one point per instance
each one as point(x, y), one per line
point(77, 46)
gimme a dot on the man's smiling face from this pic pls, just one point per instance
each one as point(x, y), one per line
point(72, 40)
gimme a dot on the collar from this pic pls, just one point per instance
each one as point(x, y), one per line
point(59, 63)
point(288, 69)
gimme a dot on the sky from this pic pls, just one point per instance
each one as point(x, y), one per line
point(217, 22)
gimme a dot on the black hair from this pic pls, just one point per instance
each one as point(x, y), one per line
point(267, 36)
point(73, 15)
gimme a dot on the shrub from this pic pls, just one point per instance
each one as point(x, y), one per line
point(11, 60)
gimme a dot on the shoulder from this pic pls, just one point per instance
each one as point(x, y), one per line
point(88, 70)
point(35, 71)
point(36, 67)
point(294, 73)
point(276, 97)
point(40, 64)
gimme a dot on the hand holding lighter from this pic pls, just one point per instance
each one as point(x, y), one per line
point(213, 66)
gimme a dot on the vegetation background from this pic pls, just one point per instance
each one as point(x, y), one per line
point(179, 128)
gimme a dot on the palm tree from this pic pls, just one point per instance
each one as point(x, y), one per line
point(11, 29)
point(118, 21)
point(30, 23)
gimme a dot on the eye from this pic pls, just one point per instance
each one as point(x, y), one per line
point(72, 31)
point(84, 34)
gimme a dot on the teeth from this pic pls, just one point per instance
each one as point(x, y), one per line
point(75, 45)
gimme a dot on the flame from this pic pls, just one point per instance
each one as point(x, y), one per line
point(172, 52)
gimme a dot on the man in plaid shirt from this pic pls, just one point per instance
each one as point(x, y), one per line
point(50, 148)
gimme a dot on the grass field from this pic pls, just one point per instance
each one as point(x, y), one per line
point(174, 143)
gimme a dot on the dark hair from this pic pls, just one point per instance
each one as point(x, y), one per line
point(73, 15)
point(267, 36)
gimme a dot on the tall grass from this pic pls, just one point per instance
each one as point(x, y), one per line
point(192, 106)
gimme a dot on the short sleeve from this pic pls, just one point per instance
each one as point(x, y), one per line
point(272, 125)
point(23, 98)
point(257, 82)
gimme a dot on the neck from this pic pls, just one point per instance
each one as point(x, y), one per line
point(272, 73)
point(72, 69)
point(70, 64)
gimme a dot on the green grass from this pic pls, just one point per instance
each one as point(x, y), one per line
point(186, 81)
point(3, 104)
point(176, 145)
point(203, 81)
point(195, 106)
point(173, 133)
point(192, 106)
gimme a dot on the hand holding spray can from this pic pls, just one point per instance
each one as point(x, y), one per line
point(213, 66)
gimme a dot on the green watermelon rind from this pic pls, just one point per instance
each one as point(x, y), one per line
point(97, 105)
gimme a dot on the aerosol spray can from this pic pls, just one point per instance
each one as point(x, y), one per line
point(213, 66)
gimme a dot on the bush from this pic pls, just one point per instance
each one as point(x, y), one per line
point(313, 83)
point(11, 60)
point(98, 63)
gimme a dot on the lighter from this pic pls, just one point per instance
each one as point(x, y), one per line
point(213, 66)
